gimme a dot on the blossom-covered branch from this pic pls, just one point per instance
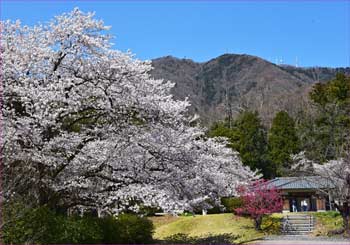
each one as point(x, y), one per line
point(87, 126)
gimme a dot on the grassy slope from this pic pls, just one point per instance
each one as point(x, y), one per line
point(326, 222)
point(225, 228)
point(239, 229)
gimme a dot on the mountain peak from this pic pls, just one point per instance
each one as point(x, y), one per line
point(242, 81)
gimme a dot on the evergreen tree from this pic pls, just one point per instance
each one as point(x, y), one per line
point(252, 142)
point(282, 142)
point(324, 136)
point(248, 137)
point(223, 129)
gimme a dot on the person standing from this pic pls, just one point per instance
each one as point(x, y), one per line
point(304, 205)
point(294, 206)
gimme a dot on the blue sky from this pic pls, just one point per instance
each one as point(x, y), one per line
point(315, 33)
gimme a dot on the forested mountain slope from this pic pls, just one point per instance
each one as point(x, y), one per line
point(230, 83)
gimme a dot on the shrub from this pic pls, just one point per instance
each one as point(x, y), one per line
point(328, 223)
point(78, 230)
point(24, 225)
point(110, 232)
point(214, 210)
point(231, 203)
point(271, 224)
point(44, 226)
point(181, 238)
point(329, 214)
point(134, 229)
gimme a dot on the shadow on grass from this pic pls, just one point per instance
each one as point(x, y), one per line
point(181, 238)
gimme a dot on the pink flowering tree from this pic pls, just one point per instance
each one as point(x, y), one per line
point(259, 199)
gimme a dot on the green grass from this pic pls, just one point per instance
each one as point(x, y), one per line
point(327, 222)
point(227, 228)
point(220, 228)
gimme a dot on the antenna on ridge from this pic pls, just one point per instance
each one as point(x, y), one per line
point(296, 61)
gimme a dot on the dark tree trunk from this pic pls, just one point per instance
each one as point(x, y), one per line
point(345, 213)
point(257, 223)
point(346, 207)
point(346, 217)
point(346, 226)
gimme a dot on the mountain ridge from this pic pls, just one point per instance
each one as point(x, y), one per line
point(234, 82)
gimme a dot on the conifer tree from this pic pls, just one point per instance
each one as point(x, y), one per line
point(324, 136)
point(252, 142)
point(247, 136)
point(282, 142)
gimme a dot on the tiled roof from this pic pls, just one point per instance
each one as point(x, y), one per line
point(306, 182)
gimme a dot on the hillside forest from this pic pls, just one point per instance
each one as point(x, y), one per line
point(320, 129)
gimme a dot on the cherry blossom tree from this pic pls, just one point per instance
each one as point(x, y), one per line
point(86, 126)
point(336, 174)
point(259, 199)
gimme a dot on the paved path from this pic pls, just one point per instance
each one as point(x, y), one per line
point(302, 240)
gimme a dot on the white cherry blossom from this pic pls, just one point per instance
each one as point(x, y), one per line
point(87, 126)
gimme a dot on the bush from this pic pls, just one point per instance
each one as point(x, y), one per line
point(44, 226)
point(231, 203)
point(23, 225)
point(78, 230)
point(271, 224)
point(328, 223)
point(329, 214)
point(181, 238)
point(109, 226)
point(134, 229)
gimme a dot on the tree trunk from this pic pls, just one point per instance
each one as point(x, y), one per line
point(345, 214)
point(346, 217)
point(257, 222)
point(346, 226)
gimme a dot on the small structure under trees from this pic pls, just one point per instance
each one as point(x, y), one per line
point(337, 173)
point(309, 193)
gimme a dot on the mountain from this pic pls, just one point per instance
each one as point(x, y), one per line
point(230, 83)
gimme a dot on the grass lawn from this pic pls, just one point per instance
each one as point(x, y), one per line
point(213, 228)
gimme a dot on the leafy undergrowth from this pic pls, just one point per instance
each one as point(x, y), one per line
point(271, 224)
point(326, 222)
point(211, 229)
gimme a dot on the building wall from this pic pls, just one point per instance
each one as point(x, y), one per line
point(286, 206)
point(315, 200)
point(321, 204)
